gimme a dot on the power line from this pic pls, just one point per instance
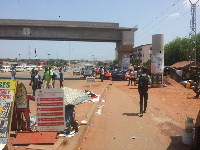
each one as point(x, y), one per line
point(159, 15)
point(162, 20)
point(164, 26)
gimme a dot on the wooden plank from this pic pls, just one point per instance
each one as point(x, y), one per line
point(46, 147)
point(35, 138)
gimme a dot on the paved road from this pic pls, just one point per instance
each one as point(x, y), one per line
point(26, 75)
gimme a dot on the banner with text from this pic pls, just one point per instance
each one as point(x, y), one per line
point(50, 110)
point(7, 93)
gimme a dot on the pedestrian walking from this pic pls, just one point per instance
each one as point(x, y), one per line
point(143, 82)
point(54, 76)
point(131, 73)
point(33, 81)
point(61, 77)
point(102, 74)
point(13, 73)
point(43, 79)
point(36, 79)
point(48, 78)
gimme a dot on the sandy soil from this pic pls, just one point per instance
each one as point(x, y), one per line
point(160, 128)
point(81, 109)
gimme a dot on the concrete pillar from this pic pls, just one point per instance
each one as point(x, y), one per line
point(124, 48)
point(157, 60)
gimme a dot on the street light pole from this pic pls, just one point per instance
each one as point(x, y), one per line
point(48, 59)
point(19, 56)
point(69, 56)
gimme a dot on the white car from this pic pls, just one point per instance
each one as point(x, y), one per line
point(5, 69)
point(76, 72)
point(19, 68)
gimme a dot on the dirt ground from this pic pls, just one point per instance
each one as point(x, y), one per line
point(81, 109)
point(160, 128)
point(162, 125)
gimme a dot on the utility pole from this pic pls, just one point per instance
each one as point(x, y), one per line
point(192, 34)
point(69, 56)
point(29, 53)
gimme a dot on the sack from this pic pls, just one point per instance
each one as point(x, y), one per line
point(143, 84)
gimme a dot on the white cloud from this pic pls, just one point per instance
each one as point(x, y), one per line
point(174, 15)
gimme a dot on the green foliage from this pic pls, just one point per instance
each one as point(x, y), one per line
point(115, 61)
point(135, 62)
point(100, 63)
point(147, 64)
point(178, 50)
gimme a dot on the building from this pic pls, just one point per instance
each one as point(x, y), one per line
point(141, 53)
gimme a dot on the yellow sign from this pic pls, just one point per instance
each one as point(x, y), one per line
point(7, 94)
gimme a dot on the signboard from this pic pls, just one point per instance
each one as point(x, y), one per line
point(50, 110)
point(90, 79)
point(125, 63)
point(7, 93)
point(156, 65)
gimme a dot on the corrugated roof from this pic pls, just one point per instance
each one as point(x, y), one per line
point(182, 64)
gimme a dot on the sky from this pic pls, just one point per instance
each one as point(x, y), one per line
point(168, 17)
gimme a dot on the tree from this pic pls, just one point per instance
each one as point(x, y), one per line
point(116, 61)
point(147, 64)
point(135, 62)
point(178, 50)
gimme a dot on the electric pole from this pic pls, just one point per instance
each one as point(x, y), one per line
point(192, 34)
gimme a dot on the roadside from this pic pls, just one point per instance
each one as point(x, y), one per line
point(82, 110)
point(120, 127)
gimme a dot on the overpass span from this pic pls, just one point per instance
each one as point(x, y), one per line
point(21, 29)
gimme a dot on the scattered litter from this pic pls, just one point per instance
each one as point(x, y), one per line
point(71, 134)
point(164, 85)
point(163, 99)
point(32, 120)
point(90, 124)
point(100, 107)
point(134, 137)
point(102, 100)
point(84, 122)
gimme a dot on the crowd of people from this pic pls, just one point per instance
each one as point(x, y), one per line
point(47, 81)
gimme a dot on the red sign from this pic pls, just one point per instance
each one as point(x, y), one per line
point(50, 110)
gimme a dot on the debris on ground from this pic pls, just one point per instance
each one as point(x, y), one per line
point(99, 109)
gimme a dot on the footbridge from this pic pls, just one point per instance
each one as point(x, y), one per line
point(19, 29)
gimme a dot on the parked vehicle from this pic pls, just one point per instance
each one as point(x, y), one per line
point(19, 68)
point(76, 72)
point(117, 75)
point(40, 68)
point(88, 70)
point(5, 69)
point(29, 68)
point(108, 75)
point(82, 71)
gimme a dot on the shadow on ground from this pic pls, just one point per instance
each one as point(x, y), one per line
point(131, 114)
point(176, 144)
